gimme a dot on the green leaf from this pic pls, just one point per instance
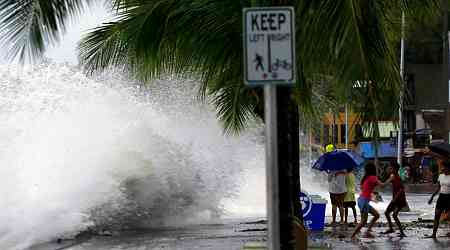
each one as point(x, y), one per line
point(29, 26)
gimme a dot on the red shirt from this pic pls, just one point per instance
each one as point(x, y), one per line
point(397, 185)
point(368, 186)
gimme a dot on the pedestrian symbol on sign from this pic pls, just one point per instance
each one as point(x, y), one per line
point(259, 62)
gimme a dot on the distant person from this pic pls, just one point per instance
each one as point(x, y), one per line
point(368, 183)
point(337, 189)
point(349, 199)
point(398, 198)
point(443, 202)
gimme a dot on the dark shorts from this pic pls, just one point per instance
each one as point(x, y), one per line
point(443, 202)
point(349, 204)
point(337, 199)
point(395, 205)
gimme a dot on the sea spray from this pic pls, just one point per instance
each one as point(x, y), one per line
point(109, 153)
point(78, 153)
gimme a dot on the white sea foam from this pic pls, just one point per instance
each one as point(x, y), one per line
point(76, 152)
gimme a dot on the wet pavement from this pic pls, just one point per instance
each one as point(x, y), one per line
point(235, 234)
point(231, 235)
point(339, 238)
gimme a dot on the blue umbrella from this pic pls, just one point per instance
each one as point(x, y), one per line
point(338, 160)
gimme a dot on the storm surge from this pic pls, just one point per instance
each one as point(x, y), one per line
point(77, 153)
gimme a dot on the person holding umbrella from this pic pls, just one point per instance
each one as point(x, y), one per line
point(443, 202)
point(440, 151)
point(337, 189)
point(335, 164)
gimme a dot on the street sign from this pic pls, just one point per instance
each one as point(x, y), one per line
point(269, 45)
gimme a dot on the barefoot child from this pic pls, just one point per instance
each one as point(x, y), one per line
point(398, 199)
point(368, 183)
point(349, 199)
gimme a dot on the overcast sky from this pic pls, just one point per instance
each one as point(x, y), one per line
point(65, 51)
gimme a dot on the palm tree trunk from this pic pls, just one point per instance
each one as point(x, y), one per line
point(288, 164)
point(445, 65)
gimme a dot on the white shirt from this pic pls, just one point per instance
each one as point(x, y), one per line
point(444, 180)
point(336, 183)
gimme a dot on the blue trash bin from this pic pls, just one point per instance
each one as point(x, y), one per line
point(313, 209)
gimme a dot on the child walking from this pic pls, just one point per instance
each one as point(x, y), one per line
point(368, 183)
point(443, 202)
point(398, 199)
point(349, 199)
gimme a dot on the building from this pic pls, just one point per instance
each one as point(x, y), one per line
point(427, 81)
point(334, 125)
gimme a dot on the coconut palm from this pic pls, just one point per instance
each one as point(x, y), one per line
point(27, 27)
point(333, 40)
point(340, 41)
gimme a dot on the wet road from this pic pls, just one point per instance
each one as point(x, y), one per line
point(231, 235)
point(235, 234)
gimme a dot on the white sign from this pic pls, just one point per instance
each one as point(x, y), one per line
point(269, 44)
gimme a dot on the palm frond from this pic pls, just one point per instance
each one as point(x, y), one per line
point(339, 42)
point(105, 46)
point(234, 107)
point(29, 26)
point(349, 44)
point(189, 38)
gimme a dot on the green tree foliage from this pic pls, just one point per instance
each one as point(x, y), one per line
point(338, 43)
point(28, 27)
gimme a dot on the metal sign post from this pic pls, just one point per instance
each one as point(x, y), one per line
point(272, 185)
point(269, 60)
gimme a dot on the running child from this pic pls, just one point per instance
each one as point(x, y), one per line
point(398, 198)
point(368, 183)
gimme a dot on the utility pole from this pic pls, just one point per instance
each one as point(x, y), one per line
point(402, 89)
point(445, 69)
point(346, 126)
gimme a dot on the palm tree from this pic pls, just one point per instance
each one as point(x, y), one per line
point(341, 41)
